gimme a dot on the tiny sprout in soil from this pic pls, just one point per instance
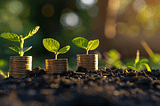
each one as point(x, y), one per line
point(138, 64)
point(53, 46)
point(83, 43)
point(20, 39)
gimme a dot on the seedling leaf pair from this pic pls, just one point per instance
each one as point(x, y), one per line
point(138, 63)
point(20, 39)
point(83, 43)
point(53, 46)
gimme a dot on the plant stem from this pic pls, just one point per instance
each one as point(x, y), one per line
point(56, 55)
point(138, 55)
point(87, 51)
point(21, 45)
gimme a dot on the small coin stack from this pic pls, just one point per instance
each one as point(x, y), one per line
point(20, 66)
point(56, 65)
point(90, 61)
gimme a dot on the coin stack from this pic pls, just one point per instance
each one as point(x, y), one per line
point(20, 66)
point(90, 61)
point(56, 65)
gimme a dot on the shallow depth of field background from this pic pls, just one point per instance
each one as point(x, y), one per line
point(118, 24)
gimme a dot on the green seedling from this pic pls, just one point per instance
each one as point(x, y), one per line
point(2, 63)
point(20, 39)
point(138, 64)
point(155, 57)
point(53, 46)
point(83, 43)
point(113, 59)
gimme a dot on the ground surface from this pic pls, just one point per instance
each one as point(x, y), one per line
point(109, 87)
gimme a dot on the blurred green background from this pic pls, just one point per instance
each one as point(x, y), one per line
point(120, 25)
point(58, 19)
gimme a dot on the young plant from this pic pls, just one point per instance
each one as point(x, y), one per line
point(154, 57)
point(53, 46)
point(20, 39)
point(113, 59)
point(138, 64)
point(83, 43)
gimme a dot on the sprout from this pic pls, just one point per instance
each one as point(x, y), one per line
point(83, 43)
point(138, 63)
point(20, 39)
point(53, 46)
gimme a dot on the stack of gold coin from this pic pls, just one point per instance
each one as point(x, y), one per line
point(56, 65)
point(90, 61)
point(20, 66)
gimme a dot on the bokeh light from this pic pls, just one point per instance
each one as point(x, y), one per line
point(87, 2)
point(16, 25)
point(48, 10)
point(70, 20)
point(146, 15)
point(110, 31)
point(127, 29)
point(110, 22)
point(4, 16)
point(122, 6)
point(93, 11)
point(139, 5)
point(15, 7)
point(113, 5)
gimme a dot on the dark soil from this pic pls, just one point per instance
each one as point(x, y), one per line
point(109, 87)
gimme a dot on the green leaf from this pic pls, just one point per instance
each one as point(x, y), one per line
point(51, 45)
point(136, 61)
point(131, 67)
point(143, 60)
point(1, 73)
point(26, 49)
point(139, 67)
point(138, 64)
point(147, 67)
point(93, 44)
point(64, 49)
point(31, 32)
point(80, 42)
point(14, 48)
point(10, 36)
point(2, 63)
